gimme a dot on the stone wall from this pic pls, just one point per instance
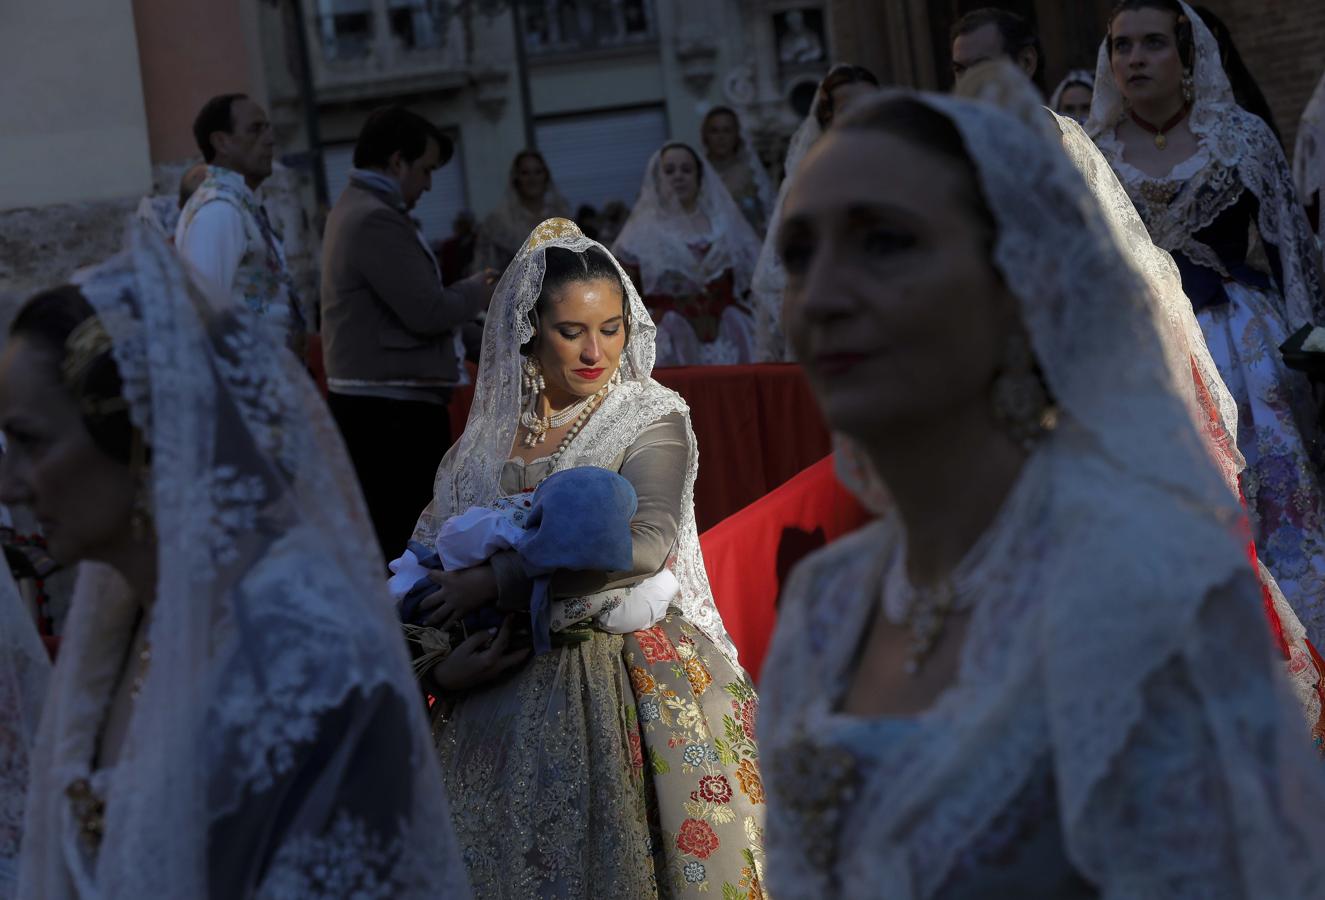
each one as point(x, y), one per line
point(1283, 44)
point(42, 247)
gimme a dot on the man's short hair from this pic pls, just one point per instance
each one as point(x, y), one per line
point(394, 128)
point(216, 115)
point(1016, 31)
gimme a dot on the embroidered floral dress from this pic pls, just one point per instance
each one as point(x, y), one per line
point(1230, 217)
point(623, 765)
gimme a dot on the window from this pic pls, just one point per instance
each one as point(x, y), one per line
point(558, 26)
point(346, 28)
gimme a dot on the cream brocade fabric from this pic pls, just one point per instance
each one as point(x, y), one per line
point(624, 766)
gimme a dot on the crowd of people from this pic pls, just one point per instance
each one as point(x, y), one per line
point(321, 647)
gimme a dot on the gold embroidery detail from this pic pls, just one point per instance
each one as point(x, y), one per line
point(552, 230)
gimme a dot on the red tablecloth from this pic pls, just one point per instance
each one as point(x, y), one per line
point(749, 555)
point(757, 426)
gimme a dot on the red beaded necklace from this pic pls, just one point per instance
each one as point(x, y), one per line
point(1161, 141)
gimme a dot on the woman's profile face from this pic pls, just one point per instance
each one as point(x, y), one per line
point(892, 304)
point(1143, 54)
point(720, 135)
point(581, 336)
point(82, 499)
point(680, 175)
point(1074, 103)
point(531, 178)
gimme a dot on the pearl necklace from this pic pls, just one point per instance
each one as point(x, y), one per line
point(591, 404)
point(537, 426)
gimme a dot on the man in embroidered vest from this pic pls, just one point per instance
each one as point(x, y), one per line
point(223, 230)
point(390, 330)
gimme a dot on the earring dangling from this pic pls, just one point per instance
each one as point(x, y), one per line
point(1188, 88)
point(532, 375)
point(1021, 402)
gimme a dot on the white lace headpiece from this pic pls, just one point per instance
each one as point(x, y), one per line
point(658, 235)
point(508, 224)
point(1309, 152)
point(470, 473)
point(745, 149)
point(1235, 139)
point(1131, 498)
point(770, 278)
point(270, 624)
point(1080, 77)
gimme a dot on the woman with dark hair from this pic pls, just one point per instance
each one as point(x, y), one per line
point(844, 85)
point(233, 713)
point(1043, 672)
point(691, 253)
point(620, 764)
point(1213, 187)
point(531, 196)
point(739, 166)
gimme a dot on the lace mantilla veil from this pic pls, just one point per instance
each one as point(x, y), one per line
point(1131, 499)
point(271, 629)
point(25, 670)
point(1309, 153)
point(470, 473)
point(770, 278)
point(656, 233)
point(1240, 141)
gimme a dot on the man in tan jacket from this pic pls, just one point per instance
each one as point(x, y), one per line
point(391, 332)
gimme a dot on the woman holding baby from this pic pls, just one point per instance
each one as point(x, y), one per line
point(622, 761)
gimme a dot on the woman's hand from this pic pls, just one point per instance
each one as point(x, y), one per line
point(458, 594)
point(477, 660)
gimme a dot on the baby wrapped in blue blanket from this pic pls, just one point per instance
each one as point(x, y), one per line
point(577, 520)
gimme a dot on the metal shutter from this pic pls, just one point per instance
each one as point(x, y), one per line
point(598, 157)
point(436, 209)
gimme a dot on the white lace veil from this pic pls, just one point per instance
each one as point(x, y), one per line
point(1309, 152)
point(470, 473)
point(1132, 499)
point(504, 229)
point(745, 152)
point(1238, 140)
point(1075, 77)
point(657, 237)
point(770, 278)
point(25, 670)
point(278, 728)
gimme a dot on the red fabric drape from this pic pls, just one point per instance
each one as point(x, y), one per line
point(757, 426)
point(750, 554)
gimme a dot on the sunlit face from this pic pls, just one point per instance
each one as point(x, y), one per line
point(1144, 56)
point(82, 498)
point(415, 178)
point(1074, 102)
point(892, 304)
point(721, 136)
point(581, 335)
point(248, 148)
point(531, 178)
point(680, 175)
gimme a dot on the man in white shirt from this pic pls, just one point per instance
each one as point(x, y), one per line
point(223, 230)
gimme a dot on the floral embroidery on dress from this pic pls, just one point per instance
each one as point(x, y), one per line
point(696, 716)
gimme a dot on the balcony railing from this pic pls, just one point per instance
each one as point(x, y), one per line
point(573, 26)
point(360, 43)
